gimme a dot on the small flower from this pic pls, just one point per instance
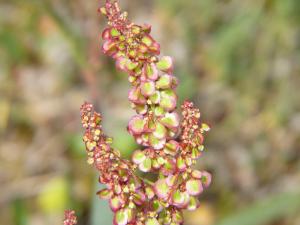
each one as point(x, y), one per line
point(70, 218)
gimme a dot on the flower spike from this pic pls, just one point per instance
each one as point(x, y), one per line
point(169, 145)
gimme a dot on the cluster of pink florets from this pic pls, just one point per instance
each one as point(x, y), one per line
point(70, 218)
point(124, 190)
point(170, 146)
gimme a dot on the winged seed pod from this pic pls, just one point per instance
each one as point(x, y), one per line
point(170, 146)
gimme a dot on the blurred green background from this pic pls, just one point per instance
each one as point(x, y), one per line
point(237, 60)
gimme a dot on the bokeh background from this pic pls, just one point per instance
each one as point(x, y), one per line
point(237, 60)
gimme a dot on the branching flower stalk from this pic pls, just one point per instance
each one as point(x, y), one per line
point(170, 146)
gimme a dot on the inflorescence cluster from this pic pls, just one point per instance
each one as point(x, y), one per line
point(170, 144)
point(70, 218)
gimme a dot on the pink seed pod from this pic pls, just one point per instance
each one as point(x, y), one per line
point(150, 71)
point(194, 187)
point(136, 125)
point(170, 120)
point(206, 179)
point(161, 189)
point(165, 64)
point(147, 88)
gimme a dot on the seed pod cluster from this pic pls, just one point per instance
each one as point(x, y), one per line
point(170, 143)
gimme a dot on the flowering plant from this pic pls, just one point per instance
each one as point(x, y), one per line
point(170, 146)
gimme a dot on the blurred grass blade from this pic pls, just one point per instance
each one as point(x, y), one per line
point(265, 210)
point(20, 212)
